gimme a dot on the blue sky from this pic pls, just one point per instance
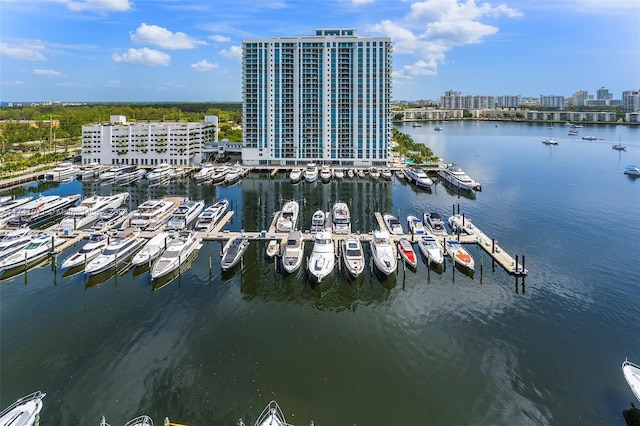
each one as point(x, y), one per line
point(190, 50)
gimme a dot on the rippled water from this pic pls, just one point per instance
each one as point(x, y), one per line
point(422, 348)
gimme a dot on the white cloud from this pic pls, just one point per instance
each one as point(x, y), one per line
point(12, 83)
point(431, 28)
point(203, 66)
point(144, 56)
point(162, 37)
point(234, 52)
point(113, 83)
point(26, 51)
point(54, 73)
point(100, 6)
point(360, 2)
point(219, 38)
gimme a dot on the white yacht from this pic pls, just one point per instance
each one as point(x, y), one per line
point(311, 172)
point(211, 215)
point(271, 416)
point(350, 173)
point(63, 172)
point(110, 175)
point(177, 252)
point(185, 215)
point(23, 412)
point(632, 170)
point(233, 253)
point(322, 258)
point(89, 251)
point(108, 217)
point(205, 173)
point(415, 225)
point(318, 221)
point(393, 224)
point(8, 205)
point(140, 421)
point(295, 175)
point(631, 374)
point(325, 174)
point(89, 171)
point(160, 174)
point(152, 249)
point(459, 254)
point(374, 173)
point(14, 241)
point(386, 174)
point(38, 248)
point(293, 252)
point(152, 212)
point(418, 177)
point(341, 218)
point(288, 217)
point(219, 174)
point(457, 178)
point(382, 253)
point(129, 176)
point(353, 255)
point(89, 210)
point(430, 248)
point(41, 209)
point(338, 173)
point(434, 223)
point(233, 175)
point(120, 248)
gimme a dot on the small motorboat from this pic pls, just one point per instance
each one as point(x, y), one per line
point(88, 252)
point(430, 248)
point(393, 224)
point(233, 253)
point(386, 174)
point(152, 249)
point(434, 223)
point(23, 412)
point(140, 421)
point(338, 173)
point(415, 225)
point(271, 416)
point(288, 217)
point(459, 254)
point(632, 170)
point(350, 173)
point(295, 175)
point(322, 258)
point(311, 173)
point(631, 374)
point(325, 174)
point(382, 253)
point(374, 173)
point(273, 248)
point(293, 252)
point(407, 252)
point(353, 255)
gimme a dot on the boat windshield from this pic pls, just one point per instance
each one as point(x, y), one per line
point(353, 252)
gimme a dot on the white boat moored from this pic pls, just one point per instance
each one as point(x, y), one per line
point(24, 412)
point(322, 257)
point(631, 374)
point(382, 253)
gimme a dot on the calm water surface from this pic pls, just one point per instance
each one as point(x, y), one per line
point(427, 347)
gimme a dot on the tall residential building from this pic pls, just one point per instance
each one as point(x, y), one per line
point(552, 101)
point(322, 98)
point(455, 100)
point(631, 100)
point(580, 97)
point(507, 101)
point(147, 144)
point(603, 93)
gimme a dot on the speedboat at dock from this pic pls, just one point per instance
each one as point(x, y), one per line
point(219, 174)
point(233, 253)
point(89, 171)
point(211, 215)
point(417, 176)
point(459, 254)
point(322, 257)
point(233, 175)
point(24, 412)
point(64, 172)
point(88, 211)
point(89, 251)
point(430, 248)
point(152, 214)
point(393, 224)
point(295, 175)
point(311, 172)
point(382, 253)
point(271, 416)
point(325, 174)
point(415, 225)
point(177, 252)
point(205, 173)
point(161, 173)
point(293, 252)
point(407, 252)
point(353, 255)
point(318, 221)
point(186, 214)
point(120, 248)
point(288, 217)
point(434, 223)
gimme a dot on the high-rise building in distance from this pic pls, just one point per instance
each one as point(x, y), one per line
point(321, 98)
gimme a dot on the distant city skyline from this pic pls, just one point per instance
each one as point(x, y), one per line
point(171, 50)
